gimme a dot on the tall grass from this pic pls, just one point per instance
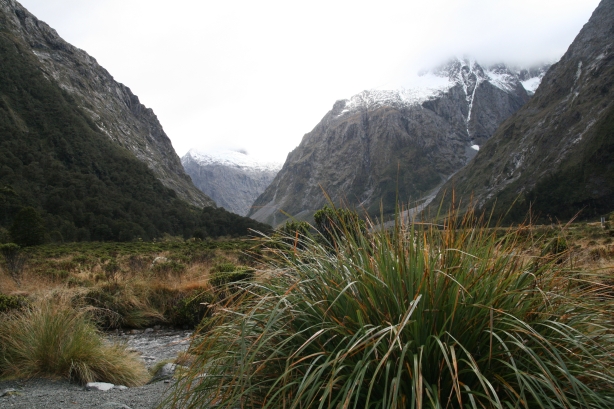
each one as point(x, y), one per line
point(419, 316)
point(52, 339)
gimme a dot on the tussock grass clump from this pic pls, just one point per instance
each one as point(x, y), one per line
point(52, 339)
point(125, 304)
point(419, 316)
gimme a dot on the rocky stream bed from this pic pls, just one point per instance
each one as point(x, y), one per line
point(154, 345)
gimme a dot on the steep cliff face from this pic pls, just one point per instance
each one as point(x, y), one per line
point(556, 155)
point(114, 109)
point(233, 179)
point(382, 144)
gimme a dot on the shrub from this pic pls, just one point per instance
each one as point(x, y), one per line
point(414, 317)
point(51, 339)
point(224, 267)
point(202, 256)
point(335, 223)
point(111, 270)
point(5, 236)
point(14, 260)
point(294, 233)
point(83, 260)
point(556, 247)
point(28, 228)
point(12, 302)
point(221, 279)
point(121, 305)
point(192, 308)
point(166, 268)
point(137, 263)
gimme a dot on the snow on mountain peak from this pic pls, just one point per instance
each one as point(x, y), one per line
point(462, 71)
point(231, 158)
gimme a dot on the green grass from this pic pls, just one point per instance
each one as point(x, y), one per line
point(51, 339)
point(414, 317)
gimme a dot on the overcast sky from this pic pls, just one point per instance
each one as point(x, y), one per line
point(258, 75)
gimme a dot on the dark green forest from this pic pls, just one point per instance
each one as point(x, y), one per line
point(84, 187)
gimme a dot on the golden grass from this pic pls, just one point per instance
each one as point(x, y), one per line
point(53, 339)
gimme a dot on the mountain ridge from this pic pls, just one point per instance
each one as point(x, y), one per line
point(58, 165)
point(111, 106)
point(232, 178)
point(380, 144)
point(555, 155)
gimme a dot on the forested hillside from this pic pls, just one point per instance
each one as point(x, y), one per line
point(54, 159)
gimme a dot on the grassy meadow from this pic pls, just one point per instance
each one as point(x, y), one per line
point(418, 316)
point(64, 296)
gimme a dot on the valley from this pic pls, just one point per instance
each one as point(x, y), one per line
point(445, 244)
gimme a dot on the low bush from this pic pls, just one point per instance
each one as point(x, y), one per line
point(137, 264)
point(121, 305)
point(12, 302)
point(14, 260)
point(555, 247)
point(169, 268)
point(192, 308)
point(53, 339)
point(413, 317)
point(239, 274)
point(223, 267)
point(5, 236)
point(202, 256)
point(333, 224)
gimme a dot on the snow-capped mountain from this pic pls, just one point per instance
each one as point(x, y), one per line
point(555, 156)
point(382, 143)
point(232, 178)
point(531, 78)
point(434, 84)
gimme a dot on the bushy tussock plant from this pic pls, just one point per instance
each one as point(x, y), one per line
point(419, 316)
point(125, 304)
point(53, 339)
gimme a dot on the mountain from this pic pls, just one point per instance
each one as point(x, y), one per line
point(111, 106)
point(232, 178)
point(555, 156)
point(381, 144)
point(57, 163)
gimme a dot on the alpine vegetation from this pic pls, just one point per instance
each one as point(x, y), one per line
point(418, 316)
point(53, 339)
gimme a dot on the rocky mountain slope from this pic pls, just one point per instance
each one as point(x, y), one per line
point(63, 179)
point(114, 109)
point(231, 178)
point(556, 154)
point(378, 145)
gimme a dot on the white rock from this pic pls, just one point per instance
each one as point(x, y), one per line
point(8, 392)
point(99, 386)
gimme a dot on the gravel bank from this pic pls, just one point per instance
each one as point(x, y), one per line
point(154, 345)
point(48, 394)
